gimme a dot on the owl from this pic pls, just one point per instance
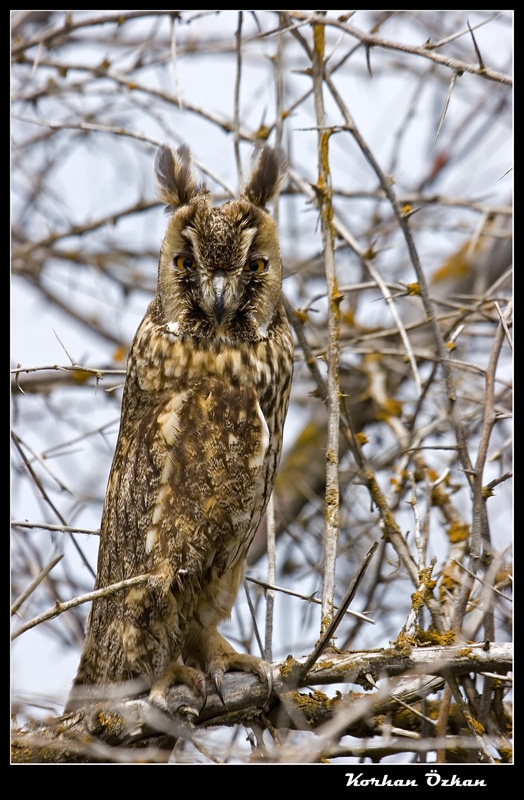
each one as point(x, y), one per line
point(204, 403)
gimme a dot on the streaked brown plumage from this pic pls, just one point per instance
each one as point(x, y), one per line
point(205, 399)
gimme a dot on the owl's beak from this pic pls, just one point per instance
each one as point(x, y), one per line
point(219, 285)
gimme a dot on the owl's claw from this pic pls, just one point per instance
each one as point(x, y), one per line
point(186, 706)
point(192, 679)
point(218, 676)
point(265, 673)
point(268, 675)
point(189, 712)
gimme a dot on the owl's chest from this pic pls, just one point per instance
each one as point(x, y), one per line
point(210, 417)
point(216, 375)
point(214, 432)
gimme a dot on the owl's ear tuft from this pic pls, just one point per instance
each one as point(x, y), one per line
point(268, 176)
point(176, 184)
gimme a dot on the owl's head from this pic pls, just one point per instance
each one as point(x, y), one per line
point(220, 268)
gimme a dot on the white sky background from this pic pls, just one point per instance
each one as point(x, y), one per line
point(103, 173)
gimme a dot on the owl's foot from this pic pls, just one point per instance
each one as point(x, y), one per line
point(179, 673)
point(220, 658)
point(244, 663)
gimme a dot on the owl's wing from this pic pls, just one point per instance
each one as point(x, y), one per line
point(132, 487)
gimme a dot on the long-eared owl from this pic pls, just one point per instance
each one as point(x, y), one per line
point(205, 399)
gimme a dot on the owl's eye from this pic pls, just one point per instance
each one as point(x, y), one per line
point(183, 261)
point(256, 265)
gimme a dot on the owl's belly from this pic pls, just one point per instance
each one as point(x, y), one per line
point(214, 453)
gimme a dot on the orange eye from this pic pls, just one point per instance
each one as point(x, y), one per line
point(183, 261)
point(256, 265)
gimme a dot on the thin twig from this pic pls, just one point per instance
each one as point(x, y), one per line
point(479, 530)
point(33, 585)
point(271, 576)
point(484, 583)
point(17, 523)
point(174, 62)
point(504, 320)
point(331, 628)
point(471, 722)
point(252, 611)
point(308, 598)
point(59, 608)
point(47, 36)
point(98, 372)
point(19, 447)
point(40, 460)
point(236, 111)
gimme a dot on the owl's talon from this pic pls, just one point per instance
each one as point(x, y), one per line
point(268, 675)
point(191, 687)
point(189, 712)
point(217, 676)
